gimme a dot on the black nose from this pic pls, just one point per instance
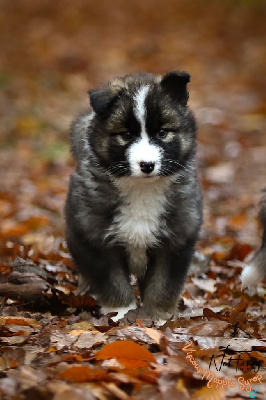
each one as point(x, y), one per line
point(146, 167)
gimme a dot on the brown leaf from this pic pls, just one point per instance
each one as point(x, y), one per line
point(86, 340)
point(7, 363)
point(82, 326)
point(77, 301)
point(208, 313)
point(211, 328)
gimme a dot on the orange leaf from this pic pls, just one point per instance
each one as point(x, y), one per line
point(140, 323)
point(51, 350)
point(129, 354)
point(73, 357)
point(36, 222)
point(18, 321)
point(12, 228)
point(131, 363)
point(239, 251)
point(81, 373)
point(238, 221)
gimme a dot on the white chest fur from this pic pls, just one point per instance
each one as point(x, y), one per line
point(139, 218)
point(143, 203)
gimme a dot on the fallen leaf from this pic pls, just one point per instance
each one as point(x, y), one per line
point(239, 251)
point(77, 301)
point(180, 386)
point(205, 284)
point(82, 326)
point(19, 321)
point(81, 373)
point(210, 328)
point(154, 334)
point(73, 357)
point(115, 391)
point(212, 393)
point(6, 363)
point(88, 339)
point(129, 354)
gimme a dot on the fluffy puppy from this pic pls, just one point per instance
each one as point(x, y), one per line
point(255, 271)
point(134, 204)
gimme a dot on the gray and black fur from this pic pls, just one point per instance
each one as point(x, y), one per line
point(134, 204)
point(255, 271)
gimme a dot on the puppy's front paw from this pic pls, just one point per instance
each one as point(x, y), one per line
point(121, 311)
point(251, 276)
point(159, 315)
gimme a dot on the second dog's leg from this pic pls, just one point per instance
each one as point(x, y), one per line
point(255, 271)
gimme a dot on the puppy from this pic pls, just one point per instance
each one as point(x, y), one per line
point(255, 271)
point(134, 204)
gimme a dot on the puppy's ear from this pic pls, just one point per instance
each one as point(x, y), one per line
point(175, 84)
point(103, 98)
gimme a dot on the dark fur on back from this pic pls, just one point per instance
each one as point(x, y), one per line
point(134, 203)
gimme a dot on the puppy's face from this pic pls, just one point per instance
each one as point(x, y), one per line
point(142, 125)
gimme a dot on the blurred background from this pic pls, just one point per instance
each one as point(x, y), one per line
point(52, 52)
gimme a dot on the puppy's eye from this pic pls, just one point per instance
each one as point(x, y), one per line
point(125, 135)
point(162, 133)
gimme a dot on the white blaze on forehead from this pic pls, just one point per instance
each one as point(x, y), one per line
point(143, 150)
point(139, 109)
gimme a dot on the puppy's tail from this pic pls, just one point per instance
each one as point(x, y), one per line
point(79, 135)
point(255, 272)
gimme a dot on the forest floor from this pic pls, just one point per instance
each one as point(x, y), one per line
point(56, 345)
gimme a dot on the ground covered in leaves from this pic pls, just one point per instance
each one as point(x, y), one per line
point(56, 345)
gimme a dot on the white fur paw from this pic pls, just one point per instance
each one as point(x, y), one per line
point(160, 322)
point(251, 276)
point(121, 311)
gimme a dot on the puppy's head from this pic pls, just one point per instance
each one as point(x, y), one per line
point(142, 126)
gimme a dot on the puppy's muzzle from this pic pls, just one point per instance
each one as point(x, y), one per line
point(147, 166)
